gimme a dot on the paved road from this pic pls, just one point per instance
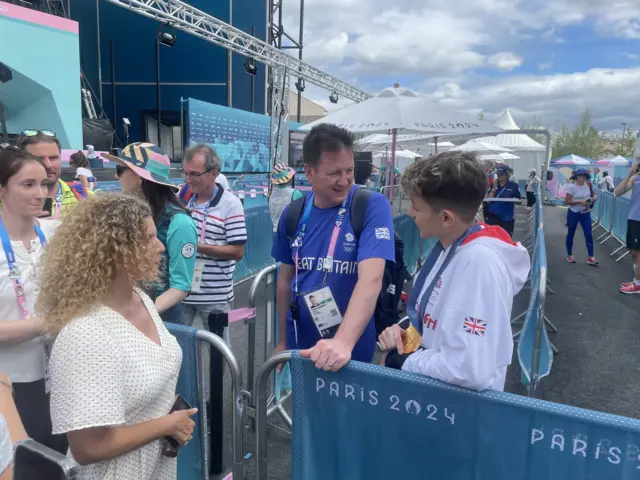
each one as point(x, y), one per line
point(598, 339)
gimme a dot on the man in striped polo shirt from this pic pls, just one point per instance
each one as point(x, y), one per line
point(222, 233)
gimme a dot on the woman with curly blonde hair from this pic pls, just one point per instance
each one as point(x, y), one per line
point(114, 365)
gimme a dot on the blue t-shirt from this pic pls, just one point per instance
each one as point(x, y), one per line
point(505, 210)
point(376, 241)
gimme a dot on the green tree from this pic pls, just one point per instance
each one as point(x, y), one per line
point(583, 140)
point(626, 143)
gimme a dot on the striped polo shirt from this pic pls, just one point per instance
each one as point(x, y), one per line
point(225, 225)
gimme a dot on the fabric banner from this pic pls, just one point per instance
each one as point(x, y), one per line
point(370, 422)
point(241, 138)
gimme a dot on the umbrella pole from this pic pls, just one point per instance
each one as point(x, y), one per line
point(392, 169)
point(436, 144)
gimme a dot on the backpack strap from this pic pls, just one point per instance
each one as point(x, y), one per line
point(292, 218)
point(358, 210)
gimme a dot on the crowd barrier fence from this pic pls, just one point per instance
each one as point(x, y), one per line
point(534, 344)
point(611, 213)
point(367, 421)
point(193, 460)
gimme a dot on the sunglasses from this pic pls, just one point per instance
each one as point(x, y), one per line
point(33, 133)
point(120, 169)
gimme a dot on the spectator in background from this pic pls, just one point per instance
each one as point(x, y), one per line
point(219, 220)
point(606, 182)
point(502, 214)
point(596, 175)
point(283, 193)
point(460, 306)
point(579, 198)
point(45, 145)
point(632, 183)
point(143, 170)
point(83, 172)
point(114, 365)
point(532, 183)
point(323, 258)
point(23, 189)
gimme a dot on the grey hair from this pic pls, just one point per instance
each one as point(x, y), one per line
point(211, 159)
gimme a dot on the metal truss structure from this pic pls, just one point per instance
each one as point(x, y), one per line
point(184, 17)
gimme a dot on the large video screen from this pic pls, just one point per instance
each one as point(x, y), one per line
point(241, 138)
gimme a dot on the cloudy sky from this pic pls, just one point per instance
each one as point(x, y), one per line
point(543, 59)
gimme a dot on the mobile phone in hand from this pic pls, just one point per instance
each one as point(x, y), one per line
point(48, 205)
point(171, 447)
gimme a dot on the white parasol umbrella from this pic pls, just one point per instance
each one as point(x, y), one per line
point(479, 146)
point(401, 110)
point(498, 157)
point(379, 141)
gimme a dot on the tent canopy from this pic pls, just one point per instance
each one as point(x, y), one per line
point(514, 141)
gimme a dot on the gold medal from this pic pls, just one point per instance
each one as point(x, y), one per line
point(411, 340)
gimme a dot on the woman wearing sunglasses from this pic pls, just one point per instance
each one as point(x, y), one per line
point(23, 189)
point(143, 170)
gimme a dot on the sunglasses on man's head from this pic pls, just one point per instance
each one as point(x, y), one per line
point(34, 132)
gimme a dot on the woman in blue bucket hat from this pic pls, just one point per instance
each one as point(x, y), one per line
point(580, 198)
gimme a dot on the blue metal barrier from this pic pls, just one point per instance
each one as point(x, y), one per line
point(372, 422)
point(606, 219)
point(621, 214)
point(535, 351)
point(193, 460)
point(596, 211)
point(257, 250)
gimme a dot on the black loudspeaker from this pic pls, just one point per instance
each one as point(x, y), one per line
point(5, 73)
point(363, 161)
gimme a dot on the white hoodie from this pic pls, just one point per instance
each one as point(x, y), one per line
point(467, 337)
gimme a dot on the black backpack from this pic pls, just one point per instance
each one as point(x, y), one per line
point(395, 273)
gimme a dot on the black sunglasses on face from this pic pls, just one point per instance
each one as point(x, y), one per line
point(120, 170)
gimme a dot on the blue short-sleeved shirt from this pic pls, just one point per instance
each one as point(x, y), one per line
point(376, 241)
point(505, 210)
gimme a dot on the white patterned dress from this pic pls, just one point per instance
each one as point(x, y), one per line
point(106, 372)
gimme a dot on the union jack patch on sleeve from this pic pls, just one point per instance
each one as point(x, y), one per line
point(474, 326)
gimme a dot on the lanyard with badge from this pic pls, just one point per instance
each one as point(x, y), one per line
point(319, 300)
point(198, 271)
point(58, 207)
point(417, 305)
point(16, 278)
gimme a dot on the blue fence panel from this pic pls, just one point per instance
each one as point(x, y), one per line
point(526, 342)
point(408, 231)
point(257, 250)
point(373, 422)
point(607, 200)
point(190, 456)
point(596, 211)
point(623, 206)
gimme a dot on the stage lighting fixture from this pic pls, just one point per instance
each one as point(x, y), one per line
point(168, 39)
point(5, 73)
point(300, 85)
point(250, 66)
point(333, 98)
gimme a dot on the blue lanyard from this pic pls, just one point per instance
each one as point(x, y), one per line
point(14, 272)
point(297, 243)
point(416, 316)
point(58, 200)
point(205, 213)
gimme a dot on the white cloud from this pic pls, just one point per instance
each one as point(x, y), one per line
point(505, 61)
point(436, 46)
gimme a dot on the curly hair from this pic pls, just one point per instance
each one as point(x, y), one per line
point(100, 238)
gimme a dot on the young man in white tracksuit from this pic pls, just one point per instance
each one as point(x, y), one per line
point(462, 298)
